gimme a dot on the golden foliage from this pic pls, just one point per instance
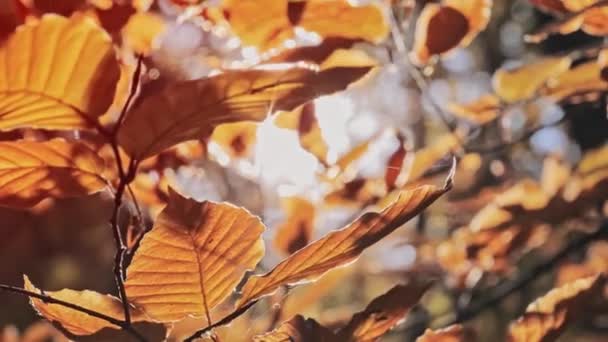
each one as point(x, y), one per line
point(237, 139)
point(522, 83)
point(192, 109)
point(57, 73)
point(546, 318)
point(480, 111)
point(193, 257)
point(298, 329)
point(32, 171)
point(268, 23)
point(342, 246)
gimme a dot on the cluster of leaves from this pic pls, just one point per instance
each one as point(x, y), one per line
point(90, 114)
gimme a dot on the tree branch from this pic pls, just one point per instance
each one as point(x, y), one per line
point(507, 288)
point(227, 319)
point(48, 299)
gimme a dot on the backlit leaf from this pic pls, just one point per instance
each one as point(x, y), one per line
point(57, 73)
point(193, 257)
point(76, 322)
point(383, 313)
point(268, 23)
point(480, 111)
point(191, 109)
point(237, 139)
point(342, 246)
point(32, 171)
point(298, 329)
point(546, 318)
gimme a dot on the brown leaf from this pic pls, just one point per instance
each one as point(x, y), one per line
point(191, 109)
point(342, 246)
point(298, 329)
point(443, 27)
point(32, 171)
point(268, 23)
point(76, 322)
point(522, 83)
point(57, 73)
point(546, 318)
point(383, 313)
point(296, 231)
point(193, 257)
point(395, 164)
point(453, 333)
point(304, 120)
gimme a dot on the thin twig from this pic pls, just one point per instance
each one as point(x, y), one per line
point(132, 91)
point(48, 299)
point(503, 291)
point(227, 319)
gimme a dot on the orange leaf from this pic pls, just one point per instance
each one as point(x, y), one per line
point(32, 171)
point(296, 231)
point(314, 54)
point(383, 313)
point(268, 23)
point(237, 139)
point(453, 333)
point(546, 318)
point(142, 30)
point(57, 73)
point(480, 111)
point(193, 257)
point(76, 322)
point(191, 109)
point(443, 27)
point(298, 329)
point(342, 246)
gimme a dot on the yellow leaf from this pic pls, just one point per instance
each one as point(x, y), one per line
point(142, 30)
point(583, 78)
point(523, 82)
point(268, 23)
point(547, 317)
point(57, 73)
point(383, 313)
point(193, 258)
point(191, 109)
point(342, 246)
point(76, 322)
point(426, 158)
point(298, 329)
point(237, 139)
point(32, 171)
point(480, 111)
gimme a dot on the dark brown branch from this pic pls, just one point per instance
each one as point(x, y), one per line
point(132, 91)
point(226, 320)
point(48, 299)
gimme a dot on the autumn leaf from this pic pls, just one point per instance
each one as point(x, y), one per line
point(395, 164)
point(32, 171)
point(237, 139)
point(316, 54)
point(191, 109)
point(268, 23)
point(76, 322)
point(57, 73)
point(142, 30)
point(342, 246)
point(582, 79)
point(588, 16)
point(453, 333)
point(304, 120)
point(480, 111)
point(522, 83)
point(296, 230)
point(383, 313)
point(298, 329)
point(193, 257)
point(546, 318)
point(442, 27)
